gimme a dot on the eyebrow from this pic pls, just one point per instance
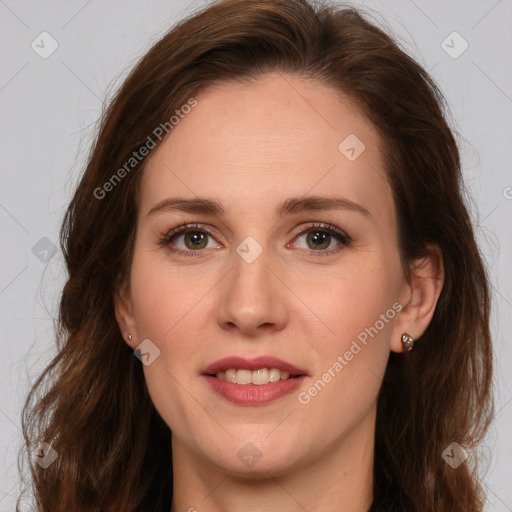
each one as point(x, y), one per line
point(292, 205)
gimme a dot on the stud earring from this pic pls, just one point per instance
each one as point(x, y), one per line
point(130, 338)
point(407, 341)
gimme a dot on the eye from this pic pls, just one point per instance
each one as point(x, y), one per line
point(194, 238)
point(320, 236)
point(189, 240)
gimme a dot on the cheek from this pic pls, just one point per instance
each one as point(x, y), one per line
point(165, 297)
point(358, 308)
point(164, 307)
point(351, 300)
point(170, 306)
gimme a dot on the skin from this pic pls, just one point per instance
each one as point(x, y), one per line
point(250, 147)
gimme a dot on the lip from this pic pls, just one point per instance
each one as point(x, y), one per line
point(241, 363)
point(252, 394)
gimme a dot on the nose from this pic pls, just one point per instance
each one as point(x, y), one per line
point(252, 299)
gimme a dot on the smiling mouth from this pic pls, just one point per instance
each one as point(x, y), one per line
point(258, 377)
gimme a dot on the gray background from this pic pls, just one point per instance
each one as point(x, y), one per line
point(49, 108)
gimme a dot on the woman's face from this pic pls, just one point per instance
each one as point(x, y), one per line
point(316, 284)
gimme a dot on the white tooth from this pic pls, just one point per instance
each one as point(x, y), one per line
point(243, 377)
point(274, 375)
point(257, 377)
point(260, 377)
point(231, 375)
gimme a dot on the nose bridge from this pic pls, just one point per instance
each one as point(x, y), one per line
point(249, 281)
point(251, 297)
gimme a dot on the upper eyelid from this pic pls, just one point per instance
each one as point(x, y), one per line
point(205, 227)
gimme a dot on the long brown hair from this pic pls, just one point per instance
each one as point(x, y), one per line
point(91, 403)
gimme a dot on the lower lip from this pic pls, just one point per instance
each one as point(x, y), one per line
point(252, 394)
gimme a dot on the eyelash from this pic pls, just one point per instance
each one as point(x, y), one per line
point(166, 238)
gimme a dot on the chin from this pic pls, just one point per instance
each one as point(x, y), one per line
point(249, 461)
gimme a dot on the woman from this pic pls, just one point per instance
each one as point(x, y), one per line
point(272, 221)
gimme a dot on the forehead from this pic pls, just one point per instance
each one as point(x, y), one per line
point(280, 136)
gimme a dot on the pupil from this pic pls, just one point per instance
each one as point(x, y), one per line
point(195, 240)
point(319, 239)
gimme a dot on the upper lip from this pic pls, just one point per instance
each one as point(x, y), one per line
point(241, 363)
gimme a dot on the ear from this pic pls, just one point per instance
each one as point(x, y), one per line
point(419, 297)
point(123, 309)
